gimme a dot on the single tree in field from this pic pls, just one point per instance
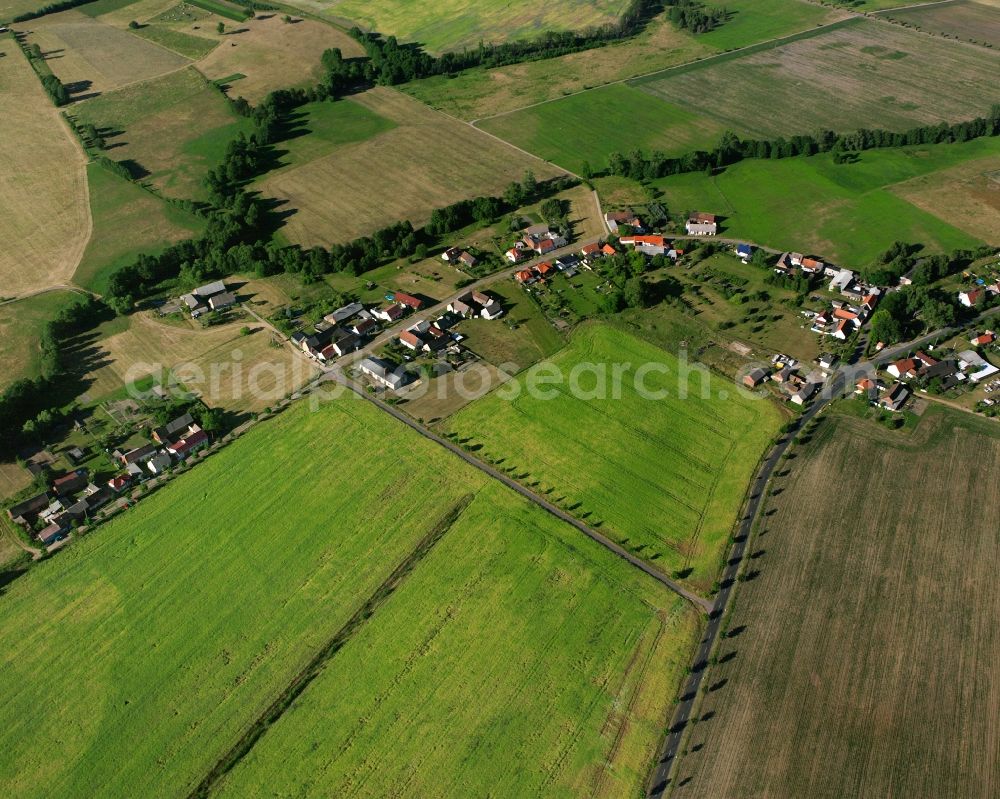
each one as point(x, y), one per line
point(134, 25)
point(286, 19)
point(220, 28)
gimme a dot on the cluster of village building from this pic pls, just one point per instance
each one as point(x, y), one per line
point(73, 498)
point(792, 382)
point(535, 240)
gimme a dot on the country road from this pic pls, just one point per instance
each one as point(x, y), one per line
point(839, 383)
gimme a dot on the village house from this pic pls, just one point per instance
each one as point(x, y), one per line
point(651, 244)
point(467, 259)
point(612, 219)
point(414, 303)
point(905, 368)
point(411, 340)
point(841, 280)
point(159, 463)
point(137, 455)
point(982, 339)
point(542, 240)
point(489, 307)
point(29, 507)
point(701, 224)
point(392, 313)
point(383, 372)
point(895, 398)
point(805, 392)
point(169, 431)
point(451, 254)
point(462, 306)
point(755, 378)
point(343, 314)
point(545, 270)
point(198, 300)
point(868, 388)
point(811, 266)
point(222, 301)
point(976, 368)
point(69, 483)
point(525, 276)
point(744, 252)
point(364, 327)
point(194, 439)
point(517, 254)
point(972, 297)
point(120, 482)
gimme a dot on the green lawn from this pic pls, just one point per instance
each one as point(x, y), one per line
point(664, 475)
point(171, 629)
point(846, 213)
point(589, 126)
point(188, 45)
point(499, 669)
point(128, 221)
point(325, 126)
point(21, 324)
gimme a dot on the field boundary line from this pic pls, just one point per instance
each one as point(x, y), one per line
point(696, 63)
point(704, 604)
point(340, 638)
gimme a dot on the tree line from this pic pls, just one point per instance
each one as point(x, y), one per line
point(694, 16)
point(643, 166)
point(54, 87)
point(27, 406)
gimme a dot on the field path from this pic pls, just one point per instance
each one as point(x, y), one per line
point(75, 256)
point(698, 601)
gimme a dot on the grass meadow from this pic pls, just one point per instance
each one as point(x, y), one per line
point(128, 221)
point(516, 661)
point(21, 324)
point(881, 76)
point(848, 213)
point(173, 129)
point(589, 127)
point(454, 25)
point(860, 656)
point(423, 161)
point(43, 185)
point(969, 20)
point(664, 477)
point(481, 93)
point(191, 613)
point(91, 57)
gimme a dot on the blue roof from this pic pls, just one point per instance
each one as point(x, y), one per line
point(744, 248)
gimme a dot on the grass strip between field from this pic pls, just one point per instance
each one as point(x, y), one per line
point(301, 681)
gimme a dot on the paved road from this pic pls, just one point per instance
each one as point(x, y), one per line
point(607, 543)
point(843, 380)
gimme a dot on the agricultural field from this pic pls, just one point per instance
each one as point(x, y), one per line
point(813, 204)
point(128, 220)
point(453, 25)
point(46, 220)
point(171, 130)
point(586, 128)
point(868, 616)
point(225, 367)
point(882, 76)
point(575, 659)
point(198, 627)
point(665, 476)
point(91, 58)
point(424, 162)
point(21, 324)
point(481, 93)
point(969, 20)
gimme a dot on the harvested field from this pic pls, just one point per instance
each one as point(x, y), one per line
point(479, 93)
point(881, 76)
point(814, 204)
point(182, 639)
point(173, 129)
point(425, 162)
point(436, 398)
point(91, 58)
point(457, 24)
point(966, 196)
point(13, 478)
point(575, 664)
point(588, 127)
point(128, 220)
point(975, 21)
point(274, 55)
point(227, 369)
point(120, 12)
point(663, 474)
point(43, 187)
point(863, 662)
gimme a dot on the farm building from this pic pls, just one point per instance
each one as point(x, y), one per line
point(382, 372)
point(755, 378)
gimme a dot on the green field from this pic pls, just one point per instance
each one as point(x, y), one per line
point(21, 323)
point(588, 127)
point(665, 476)
point(171, 629)
point(128, 221)
point(455, 25)
point(848, 213)
point(186, 44)
point(175, 128)
point(501, 667)
point(882, 76)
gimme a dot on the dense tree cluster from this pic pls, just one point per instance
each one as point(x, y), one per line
point(640, 165)
point(694, 16)
point(51, 8)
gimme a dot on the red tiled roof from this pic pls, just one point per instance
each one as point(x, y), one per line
point(407, 299)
